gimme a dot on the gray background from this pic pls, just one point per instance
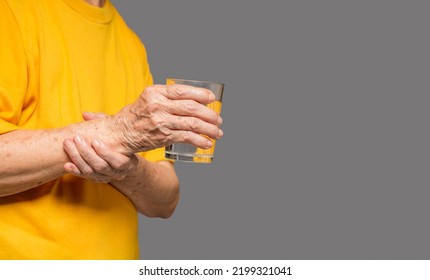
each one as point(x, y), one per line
point(326, 149)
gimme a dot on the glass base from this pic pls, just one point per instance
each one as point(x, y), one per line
point(188, 157)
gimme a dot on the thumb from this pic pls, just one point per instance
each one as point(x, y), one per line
point(92, 116)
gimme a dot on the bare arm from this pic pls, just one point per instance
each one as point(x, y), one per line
point(162, 115)
point(152, 187)
point(30, 158)
point(158, 195)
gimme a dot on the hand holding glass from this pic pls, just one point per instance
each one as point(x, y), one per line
point(188, 152)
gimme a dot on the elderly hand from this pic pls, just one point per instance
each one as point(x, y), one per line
point(95, 160)
point(163, 115)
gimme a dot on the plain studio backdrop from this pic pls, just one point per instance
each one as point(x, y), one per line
point(326, 151)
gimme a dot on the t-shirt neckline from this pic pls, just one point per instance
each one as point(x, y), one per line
point(97, 14)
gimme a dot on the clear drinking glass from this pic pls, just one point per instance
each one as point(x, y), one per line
point(188, 152)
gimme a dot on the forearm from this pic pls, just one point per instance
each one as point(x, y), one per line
point(30, 158)
point(152, 187)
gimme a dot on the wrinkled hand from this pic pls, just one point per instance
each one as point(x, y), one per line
point(95, 160)
point(166, 114)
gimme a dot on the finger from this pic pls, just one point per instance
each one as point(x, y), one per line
point(116, 160)
point(97, 177)
point(195, 125)
point(182, 92)
point(72, 168)
point(193, 108)
point(72, 151)
point(92, 116)
point(92, 159)
point(191, 138)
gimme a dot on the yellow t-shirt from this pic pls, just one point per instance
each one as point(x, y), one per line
point(59, 58)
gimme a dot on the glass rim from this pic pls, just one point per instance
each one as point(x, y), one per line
point(196, 81)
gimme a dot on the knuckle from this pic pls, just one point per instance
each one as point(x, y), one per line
point(88, 172)
point(153, 107)
point(193, 123)
point(175, 90)
point(158, 123)
point(178, 90)
point(123, 165)
point(151, 93)
point(150, 90)
point(120, 164)
point(165, 131)
point(187, 136)
point(169, 139)
point(190, 106)
point(101, 167)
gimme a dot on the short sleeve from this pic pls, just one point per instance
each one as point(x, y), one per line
point(148, 79)
point(13, 70)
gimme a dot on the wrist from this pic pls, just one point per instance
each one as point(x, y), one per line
point(133, 174)
point(121, 128)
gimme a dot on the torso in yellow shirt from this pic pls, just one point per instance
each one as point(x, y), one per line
point(61, 58)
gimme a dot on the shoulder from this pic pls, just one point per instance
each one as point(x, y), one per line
point(20, 7)
point(20, 13)
point(9, 25)
point(129, 35)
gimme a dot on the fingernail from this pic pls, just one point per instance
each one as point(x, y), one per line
point(209, 143)
point(219, 120)
point(98, 143)
point(220, 133)
point(78, 138)
point(211, 97)
point(67, 167)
